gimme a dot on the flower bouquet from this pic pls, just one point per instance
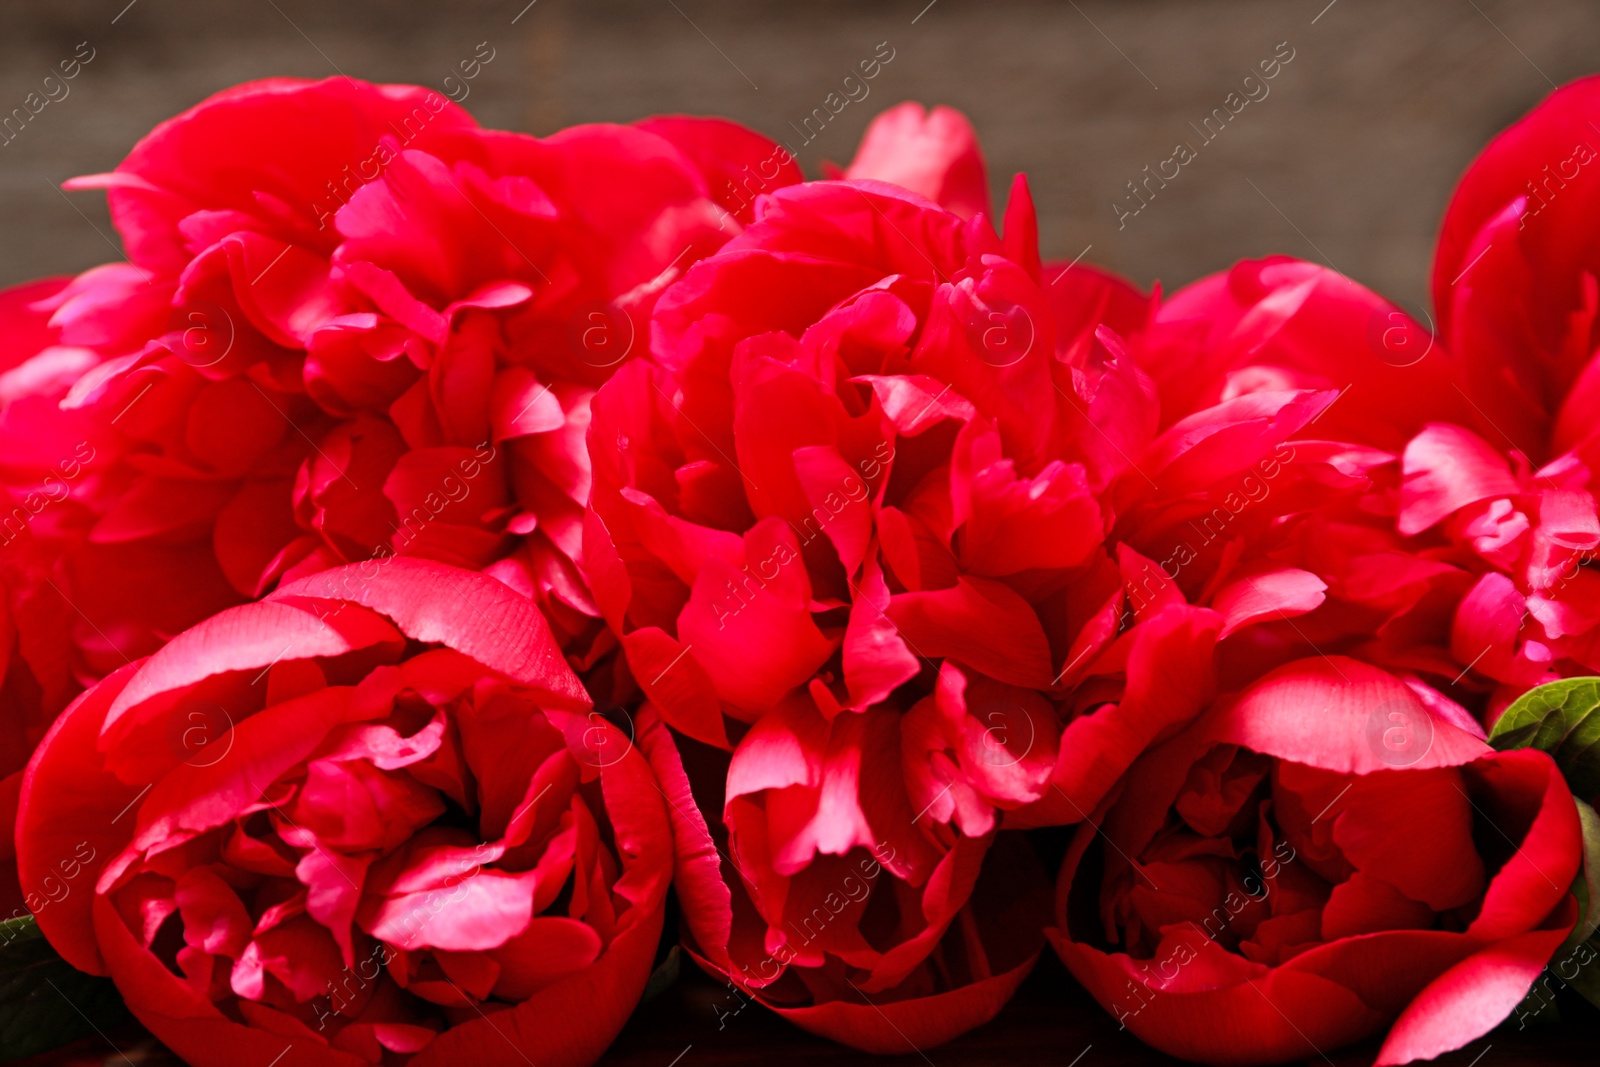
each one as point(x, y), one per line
point(450, 574)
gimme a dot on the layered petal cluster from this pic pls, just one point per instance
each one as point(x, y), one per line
point(1429, 505)
point(369, 819)
point(1435, 553)
point(1317, 860)
point(1395, 529)
point(1514, 279)
point(849, 525)
point(352, 325)
point(1528, 614)
point(56, 480)
point(1515, 286)
point(397, 444)
point(1279, 324)
point(817, 894)
point(1293, 539)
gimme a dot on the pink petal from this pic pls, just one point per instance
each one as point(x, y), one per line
point(934, 153)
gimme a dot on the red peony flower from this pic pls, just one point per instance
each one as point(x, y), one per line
point(1279, 323)
point(1333, 499)
point(68, 582)
point(818, 895)
point(849, 526)
point(1512, 486)
point(1529, 615)
point(1282, 877)
point(402, 319)
point(1450, 562)
point(366, 820)
point(803, 490)
point(352, 325)
point(907, 539)
point(1514, 280)
point(931, 152)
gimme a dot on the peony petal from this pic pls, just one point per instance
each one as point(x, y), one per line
point(61, 818)
point(1280, 593)
point(934, 153)
point(1471, 998)
point(1447, 468)
point(473, 614)
point(751, 628)
point(980, 622)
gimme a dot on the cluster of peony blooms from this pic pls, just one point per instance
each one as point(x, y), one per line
point(434, 543)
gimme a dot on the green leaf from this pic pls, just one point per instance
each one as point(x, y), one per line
point(1575, 965)
point(664, 976)
point(1575, 961)
point(1587, 886)
point(45, 1001)
point(1561, 719)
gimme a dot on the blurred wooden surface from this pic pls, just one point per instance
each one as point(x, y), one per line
point(1349, 158)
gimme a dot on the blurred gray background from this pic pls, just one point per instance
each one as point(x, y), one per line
point(1348, 159)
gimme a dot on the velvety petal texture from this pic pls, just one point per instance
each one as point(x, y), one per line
point(402, 460)
point(354, 325)
point(1316, 860)
point(1514, 277)
point(371, 819)
point(849, 523)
